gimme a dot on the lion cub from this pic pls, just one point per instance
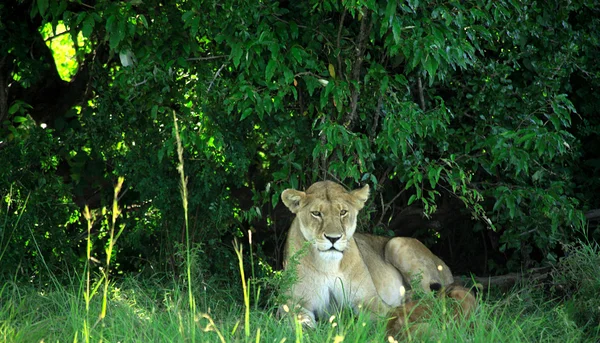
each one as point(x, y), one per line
point(412, 318)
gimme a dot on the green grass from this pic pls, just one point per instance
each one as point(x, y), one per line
point(144, 311)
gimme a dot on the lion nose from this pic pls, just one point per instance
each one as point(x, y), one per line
point(333, 239)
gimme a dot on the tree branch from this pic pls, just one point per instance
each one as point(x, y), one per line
point(593, 215)
point(509, 280)
point(378, 112)
point(365, 29)
point(215, 77)
point(206, 58)
point(421, 96)
point(339, 49)
point(3, 90)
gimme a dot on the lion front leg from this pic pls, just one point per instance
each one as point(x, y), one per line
point(306, 302)
point(304, 316)
point(412, 259)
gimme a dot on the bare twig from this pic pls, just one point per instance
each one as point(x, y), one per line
point(339, 38)
point(421, 96)
point(323, 139)
point(3, 90)
point(387, 206)
point(593, 215)
point(363, 35)
point(509, 280)
point(206, 58)
point(394, 199)
point(140, 83)
point(86, 5)
point(378, 112)
point(335, 178)
point(308, 73)
point(57, 35)
point(215, 77)
point(382, 211)
point(383, 178)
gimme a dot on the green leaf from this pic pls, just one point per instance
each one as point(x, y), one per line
point(246, 113)
point(116, 34)
point(19, 119)
point(510, 203)
point(288, 76)
point(411, 199)
point(297, 54)
point(396, 30)
point(88, 26)
point(161, 154)
point(42, 6)
point(270, 70)
point(236, 54)
point(14, 108)
point(143, 20)
point(294, 30)
point(186, 17)
point(526, 137)
point(154, 112)
point(390, 11)
point(434, 176)
point(430, 65)
point(413, 4)
point(417, 56)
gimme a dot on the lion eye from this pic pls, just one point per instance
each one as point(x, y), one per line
point(316, 214)
point(343, 212)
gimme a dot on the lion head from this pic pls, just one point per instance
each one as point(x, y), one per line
point(326, 215)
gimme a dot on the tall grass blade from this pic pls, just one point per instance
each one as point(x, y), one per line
point(184, 198)
point(238, 251)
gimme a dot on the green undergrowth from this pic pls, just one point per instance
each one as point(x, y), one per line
point(96, 307)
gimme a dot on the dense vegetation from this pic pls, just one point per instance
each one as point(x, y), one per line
point(475, 122)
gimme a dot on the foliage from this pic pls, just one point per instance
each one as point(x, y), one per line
point(577, 278)
point(473, 113)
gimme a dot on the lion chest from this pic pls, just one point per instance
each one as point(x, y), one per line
point(323, 292)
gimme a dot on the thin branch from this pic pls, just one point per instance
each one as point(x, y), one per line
point(323, 138)
point(308, 73)
point(57, 35)
point(382, 210)
point(363, 37)
point(385, 207)
point(378, 112)
point(140, 83)
point(421, 96)
point(394, 199)
point(507, 281)
point(215, 77)
point(205, 58)
point(335, 178)
point(86, 5)
point(339, 38)
point(3, 90)
point(593, 215)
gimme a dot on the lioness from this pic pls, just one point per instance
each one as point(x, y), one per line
point(342, 267)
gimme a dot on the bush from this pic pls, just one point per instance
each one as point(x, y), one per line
point(577, 277)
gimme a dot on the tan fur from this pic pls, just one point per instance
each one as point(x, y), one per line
point(344, 268)
point(413, 317)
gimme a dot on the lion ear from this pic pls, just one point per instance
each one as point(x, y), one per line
point(361, 195)
point(292, 198)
